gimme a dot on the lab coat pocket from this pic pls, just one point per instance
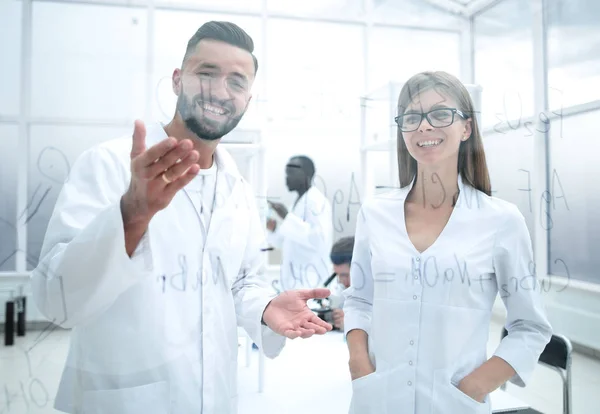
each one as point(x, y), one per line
point(448, 399)
point(148, 399)
point(368, 395)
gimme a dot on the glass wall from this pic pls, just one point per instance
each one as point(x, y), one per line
point(10, 45)
point(10, 102)
point(511, 172)
point(504, 68)
point(8, 202)
point(504, 63)
point(574, 201)
point(99, 76)
point(397, 54)
point(315, 80)
point(573, 52)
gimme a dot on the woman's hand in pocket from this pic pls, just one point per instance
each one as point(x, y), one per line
point(469, 386)
point(360, 367)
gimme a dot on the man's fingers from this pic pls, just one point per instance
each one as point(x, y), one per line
point(157, 152)
point(183, 180)
point(138, 145)
point(314, 327)
point(180, 168)
point(320, 322)
point(305, 333)
point(156, 166)
point(318, 293)
point(291, 333)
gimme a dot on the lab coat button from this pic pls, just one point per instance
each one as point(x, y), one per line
point(412, 342)
point(418, 259)
point(409, 362)
point(415, 297)
point(409, 383)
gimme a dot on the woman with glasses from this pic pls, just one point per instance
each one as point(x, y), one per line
point(428, 261)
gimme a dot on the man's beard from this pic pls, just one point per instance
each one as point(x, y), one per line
point(201, 125)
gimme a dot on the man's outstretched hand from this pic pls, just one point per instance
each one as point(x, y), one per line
point(288, 314)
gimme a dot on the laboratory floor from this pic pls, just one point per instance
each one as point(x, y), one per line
point(310, 376)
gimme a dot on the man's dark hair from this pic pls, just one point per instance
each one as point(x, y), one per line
point(308, 166)
point(341, 251)
point(226, 32)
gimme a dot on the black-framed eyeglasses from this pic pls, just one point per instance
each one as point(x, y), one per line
point(437, 118)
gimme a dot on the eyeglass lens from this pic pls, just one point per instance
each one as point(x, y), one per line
point(437, 118)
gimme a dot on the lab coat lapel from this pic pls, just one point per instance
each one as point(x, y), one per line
point(226, 199)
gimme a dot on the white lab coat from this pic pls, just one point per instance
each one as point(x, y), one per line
point(427, 314)
point(155, 333)
point(305, 238)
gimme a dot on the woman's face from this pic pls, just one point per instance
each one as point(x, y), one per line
point(433, 144)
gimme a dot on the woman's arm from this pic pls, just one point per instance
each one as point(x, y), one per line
point(528, 328)
point(358, 305)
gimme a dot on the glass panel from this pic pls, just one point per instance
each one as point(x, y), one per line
point(415, 13)
point(233, 5)
point(337, 9)
point(53, 149)
point(509, 156)
point(8, 196)
point(10, 45)
point(83, 76)
point(308, 88)
point(504, 63)
point(573, 52)
point(173, 29)
point(398, 54)
point(340, 182)
point(574, 225)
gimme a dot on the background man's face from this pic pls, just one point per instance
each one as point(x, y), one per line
point(295, 177)
point(214, 88)
point(343, 273)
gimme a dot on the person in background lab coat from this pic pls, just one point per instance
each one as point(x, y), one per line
point(341, 257)
point(429, 259)
point(304, 236)
point(153, 254)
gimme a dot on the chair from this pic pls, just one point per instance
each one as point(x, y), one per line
point(557, 355)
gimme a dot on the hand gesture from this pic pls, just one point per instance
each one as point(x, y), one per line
point(271, 224)
point(289, 315)
point(157, 174)
point(279, 208)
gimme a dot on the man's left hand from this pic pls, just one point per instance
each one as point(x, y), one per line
point(279, 208)
point(288, 314)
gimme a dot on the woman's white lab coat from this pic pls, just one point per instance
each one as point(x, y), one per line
point(305, 238)
point(427, 315)
point(155, 333)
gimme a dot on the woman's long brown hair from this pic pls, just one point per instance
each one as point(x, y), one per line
point(471, 156)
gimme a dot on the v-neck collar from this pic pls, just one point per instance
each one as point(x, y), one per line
point(447, 228)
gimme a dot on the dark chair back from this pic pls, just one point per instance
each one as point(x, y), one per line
point(557, 355)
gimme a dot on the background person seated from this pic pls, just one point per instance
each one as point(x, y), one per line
point(341, 257)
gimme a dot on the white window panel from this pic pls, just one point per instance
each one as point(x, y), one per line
point(338, 9)
point(504, 64)
point(574, 202)
point(395, 55)
point(315, 75)
point(573, 53)
point(88, 61)
point(10, 66)
point(8, 196)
